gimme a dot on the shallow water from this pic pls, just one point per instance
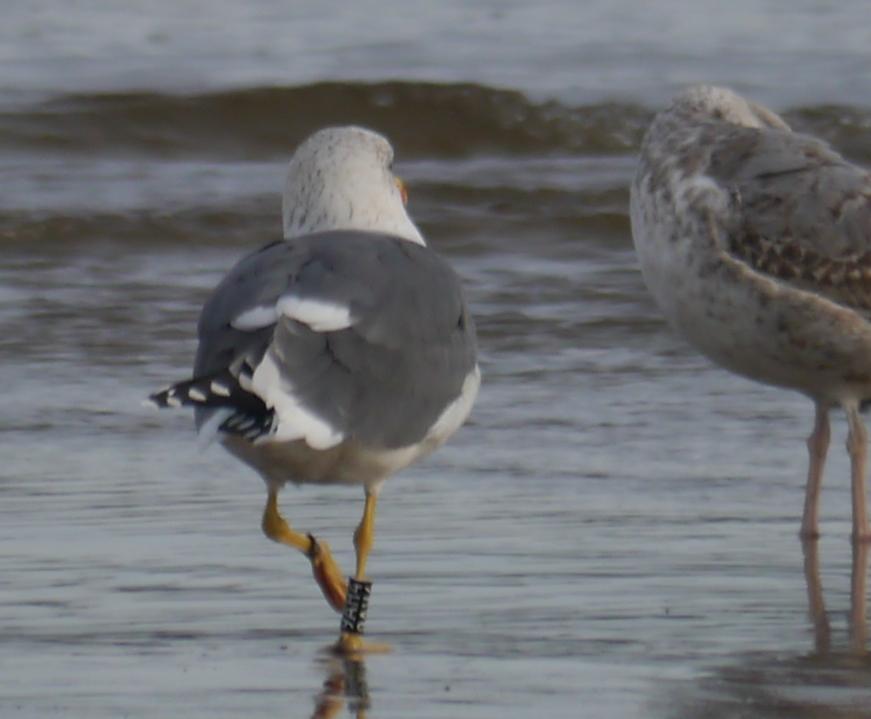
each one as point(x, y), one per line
point(613, 534)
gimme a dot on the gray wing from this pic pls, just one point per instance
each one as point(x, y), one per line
point(799, 212)
point(386, 377)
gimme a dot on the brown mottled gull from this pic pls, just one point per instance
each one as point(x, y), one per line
point(756, 243)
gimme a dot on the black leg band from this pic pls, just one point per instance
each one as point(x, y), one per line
point(356, 606)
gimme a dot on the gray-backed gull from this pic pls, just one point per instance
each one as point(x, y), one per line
point(340, 354)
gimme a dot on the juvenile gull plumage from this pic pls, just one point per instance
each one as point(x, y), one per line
point(756, 243)
point(341, 354)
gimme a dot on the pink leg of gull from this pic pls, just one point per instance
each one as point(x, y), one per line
point(817, 446)
point(857, 446)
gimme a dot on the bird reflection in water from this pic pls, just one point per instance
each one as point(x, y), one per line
point(345, 685)
point(858, 621)
point(830, 680)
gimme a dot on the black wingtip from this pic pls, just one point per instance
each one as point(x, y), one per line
point(215, 390)
point(250, 426)
point(251, 418)
point(170, 397)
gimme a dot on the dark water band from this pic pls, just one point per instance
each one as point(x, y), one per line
point(264, 122)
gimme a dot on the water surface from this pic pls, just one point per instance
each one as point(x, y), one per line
point(613, 534)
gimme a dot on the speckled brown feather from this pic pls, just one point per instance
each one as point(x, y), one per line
point(808, 225)
point(796, 210)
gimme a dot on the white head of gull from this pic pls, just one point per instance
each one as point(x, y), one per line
point(341, 178)
point(755, 242)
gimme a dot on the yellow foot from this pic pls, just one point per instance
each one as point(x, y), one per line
point(327, 574)
point(352, 645)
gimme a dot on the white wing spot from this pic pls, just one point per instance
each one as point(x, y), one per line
point(197, 395)
point(245, 383)
point(219, 389)
point(320, 315)
point(254, 319)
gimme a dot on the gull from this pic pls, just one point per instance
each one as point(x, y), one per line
point(339, 355)
point(755, 242)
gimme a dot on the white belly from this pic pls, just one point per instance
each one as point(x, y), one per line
point(350, 462)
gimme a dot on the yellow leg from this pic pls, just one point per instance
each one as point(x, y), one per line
point(364, 536)
point(326, 572)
